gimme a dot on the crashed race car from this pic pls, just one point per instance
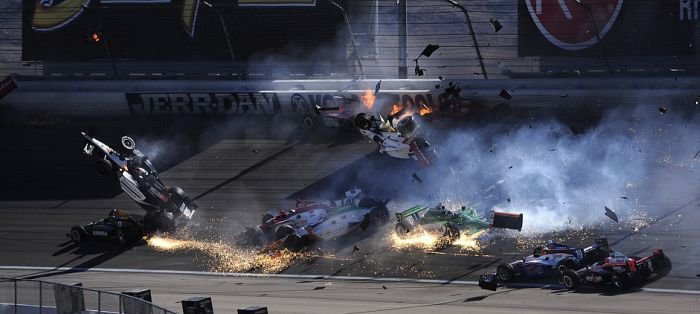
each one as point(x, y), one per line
point(311, 221)
point(119, 227)
point(395, 136)
point(449, 224)
point(552, 260)
point(618, 271)
point(166, 207)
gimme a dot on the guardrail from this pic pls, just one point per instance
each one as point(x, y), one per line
point(20, 296)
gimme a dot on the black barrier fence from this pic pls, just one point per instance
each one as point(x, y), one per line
point(36, 296)
point(214, 39)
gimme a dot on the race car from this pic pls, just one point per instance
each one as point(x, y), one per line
point(395, 136)
point(552, 260)
point(119, 227)
point(166, 207)
point(297, 230)
point(449, 224)
point(618, 271)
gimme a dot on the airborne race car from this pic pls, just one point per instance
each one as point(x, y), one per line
point(311, 221)
point(166, 207)
point(449, 224)
point(552, 260)
point(399, 141)
point(119, 227)
point(618, 271)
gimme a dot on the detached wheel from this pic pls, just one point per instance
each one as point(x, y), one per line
point(104, 167)
point(362, 121)
point(309, 122)
point(78, 234)
point(128, 143)
point(570, 279)
point(505, 273)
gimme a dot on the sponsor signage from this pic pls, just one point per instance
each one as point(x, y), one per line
point(623, 28)
point(257, 103)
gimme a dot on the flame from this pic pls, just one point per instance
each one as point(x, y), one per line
point(424, 110)
point(368, 99)
point(222, 257)
point(395, 108)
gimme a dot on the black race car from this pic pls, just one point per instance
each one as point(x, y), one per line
point(166, 207)
point(119, 227)
point(618, 271)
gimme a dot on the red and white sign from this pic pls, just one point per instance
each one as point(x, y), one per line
point(6, 86)
point(568, 24)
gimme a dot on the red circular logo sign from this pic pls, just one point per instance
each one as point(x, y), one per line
point(569, 24)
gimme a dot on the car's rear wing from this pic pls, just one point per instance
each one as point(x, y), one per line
point(413, 213)
point(506, 220)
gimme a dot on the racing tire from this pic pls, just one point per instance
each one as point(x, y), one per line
point(380, 214)
point(366, 221)
point(309, 122)
point(78, 234)
point(267, 217)
point(104, 167)
point(570, 279)
point(362, 121)
point(128, 143)
point(620, 281)
point(401, 230)
point(295, 243)
point(661, 266)
point(565, 265)
point(283, 231)
point(505, 273)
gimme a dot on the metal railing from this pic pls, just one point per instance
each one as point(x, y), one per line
point(18, 296)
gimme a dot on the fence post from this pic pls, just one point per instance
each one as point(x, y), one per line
point(15, 307)
point(41, 297)
point(99, 302)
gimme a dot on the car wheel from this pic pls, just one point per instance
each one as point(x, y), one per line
point(380, 214)
point(661, 266)
point(362, 121)
point(402, 230)
point(570, 279)
point(309, 122)
point(294, 243)
point(366, 221)
point(267, 217)
point(505, 273)
point(78, 234)
point(283, 231)
point(104, 167)
point(620, 281)
point(128, 143)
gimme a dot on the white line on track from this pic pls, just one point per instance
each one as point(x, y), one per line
point(316, 277)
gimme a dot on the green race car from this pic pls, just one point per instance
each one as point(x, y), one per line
point(449, 224)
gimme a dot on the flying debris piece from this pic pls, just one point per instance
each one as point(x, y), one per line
point(511, 167)
point(437, 86)
point(508, 200)
point(576, 130)
point(662, 109)
point(429, 49)
point(493, 148)
point(320, 288)
point(377, 87)
point(418, 70)
point(564, 95)
point(505, 94)
point(440, 77)
point(624, 197)
point(255, 151)
point(553, 150)
point(496, 25)
point(478, 298)
point(611, 214)
point(355, 248)
point(384, 287)
point(416, 177)
point(696, 155)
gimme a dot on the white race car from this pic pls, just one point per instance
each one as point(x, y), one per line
point(395, 137)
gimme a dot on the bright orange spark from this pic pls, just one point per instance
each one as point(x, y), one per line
point(424, 110)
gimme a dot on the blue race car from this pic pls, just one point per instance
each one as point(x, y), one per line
point(553, 260)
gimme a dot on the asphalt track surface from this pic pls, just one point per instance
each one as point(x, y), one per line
point(48, 187)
